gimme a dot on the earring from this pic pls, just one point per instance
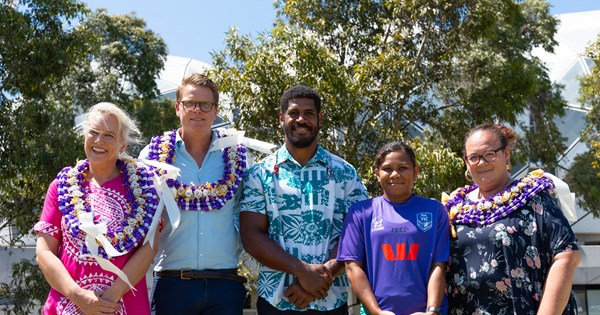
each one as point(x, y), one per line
point(509, 167)
point(468, 176)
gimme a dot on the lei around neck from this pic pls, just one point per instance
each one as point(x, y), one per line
point(464, 211)
point(207, 196)
point(142, 201)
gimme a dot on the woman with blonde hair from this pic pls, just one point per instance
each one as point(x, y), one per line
point(97, 216)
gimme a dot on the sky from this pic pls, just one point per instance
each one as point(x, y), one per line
point(195, 28)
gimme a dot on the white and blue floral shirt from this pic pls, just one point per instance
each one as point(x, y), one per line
point(306, 208)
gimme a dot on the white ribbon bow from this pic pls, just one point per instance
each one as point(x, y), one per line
point(235, 137)
point(96, 232)
point(166, 197)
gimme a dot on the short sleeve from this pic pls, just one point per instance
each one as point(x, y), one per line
point(442, 247)
point(355, 191)
point(253, 197)
point(50, 220)
point(556, 226)
point(352, 239)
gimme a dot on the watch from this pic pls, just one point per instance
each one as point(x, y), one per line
point(436, 310)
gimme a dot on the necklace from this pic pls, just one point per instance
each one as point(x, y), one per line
point(208, 196)
point(464, 211)
point(141, 204)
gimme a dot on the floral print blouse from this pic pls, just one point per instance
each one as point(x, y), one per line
point(501, 268)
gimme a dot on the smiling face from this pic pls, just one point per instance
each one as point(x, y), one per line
point(301, 122)
point(489, 176)
point(396, 175)
point(103, 140)
point(196, 121)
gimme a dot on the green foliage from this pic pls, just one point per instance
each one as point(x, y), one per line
point(443, 169)
point(123, 60)
point(51, 71)
point(27, 290)
point(590, 96)
point(38, 45)
point(387, 68)
point(584, 176)
point(584, 179)
point(154, 118)
point(36, 140)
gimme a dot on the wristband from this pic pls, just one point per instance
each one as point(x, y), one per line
point(436, 310)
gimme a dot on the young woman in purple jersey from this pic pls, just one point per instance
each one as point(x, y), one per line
point(396, 246)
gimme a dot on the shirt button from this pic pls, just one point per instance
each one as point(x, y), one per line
point(201, 233)
point(201, 254)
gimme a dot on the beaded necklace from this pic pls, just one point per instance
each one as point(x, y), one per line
point(464, 211)
point(208, 196)
point(142, 201)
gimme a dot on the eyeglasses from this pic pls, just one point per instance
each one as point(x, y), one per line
point(204, 106)
point(488, 156)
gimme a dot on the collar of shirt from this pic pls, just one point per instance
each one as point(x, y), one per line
point(179, 141)
point(321, 157)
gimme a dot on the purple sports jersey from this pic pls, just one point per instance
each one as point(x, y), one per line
point(397, 244)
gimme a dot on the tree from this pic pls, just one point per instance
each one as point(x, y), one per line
point(37, 45)
point(50, 73)
point(121, 64)
point(584, 175)
point(387, 69)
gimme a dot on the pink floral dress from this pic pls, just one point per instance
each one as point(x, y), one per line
point(109, 204)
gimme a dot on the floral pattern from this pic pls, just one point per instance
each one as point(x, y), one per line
point(305, 207)
point(501, 268)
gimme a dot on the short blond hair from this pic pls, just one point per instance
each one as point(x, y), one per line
point(198, 79)
point(127, 127)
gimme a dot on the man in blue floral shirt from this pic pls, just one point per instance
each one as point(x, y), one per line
point(292, 212)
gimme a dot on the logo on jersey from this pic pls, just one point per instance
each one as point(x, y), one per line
point(376, 224)
point(402, 252)
point(424, 221)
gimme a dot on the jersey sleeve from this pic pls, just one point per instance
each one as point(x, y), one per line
point(352, 239)
point(442, 243)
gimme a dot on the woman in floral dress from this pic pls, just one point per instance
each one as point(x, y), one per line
point(91, 237)
point(512, 250)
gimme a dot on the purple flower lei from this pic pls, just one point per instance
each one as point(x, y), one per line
point(208, 196)
point(483, 212)
point(142, 202)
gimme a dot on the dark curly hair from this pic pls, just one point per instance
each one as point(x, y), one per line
point(299, 91)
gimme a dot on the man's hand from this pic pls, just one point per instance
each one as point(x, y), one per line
point(298, 296)
point(315, 279)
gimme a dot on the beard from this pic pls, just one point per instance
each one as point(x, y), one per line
point(300, 142)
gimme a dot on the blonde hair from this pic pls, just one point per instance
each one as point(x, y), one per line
point(127, 126)
point(198, 79)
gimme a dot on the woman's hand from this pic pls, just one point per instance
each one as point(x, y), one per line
point(91, 303)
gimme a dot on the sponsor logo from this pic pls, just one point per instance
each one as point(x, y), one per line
point(401, 252)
